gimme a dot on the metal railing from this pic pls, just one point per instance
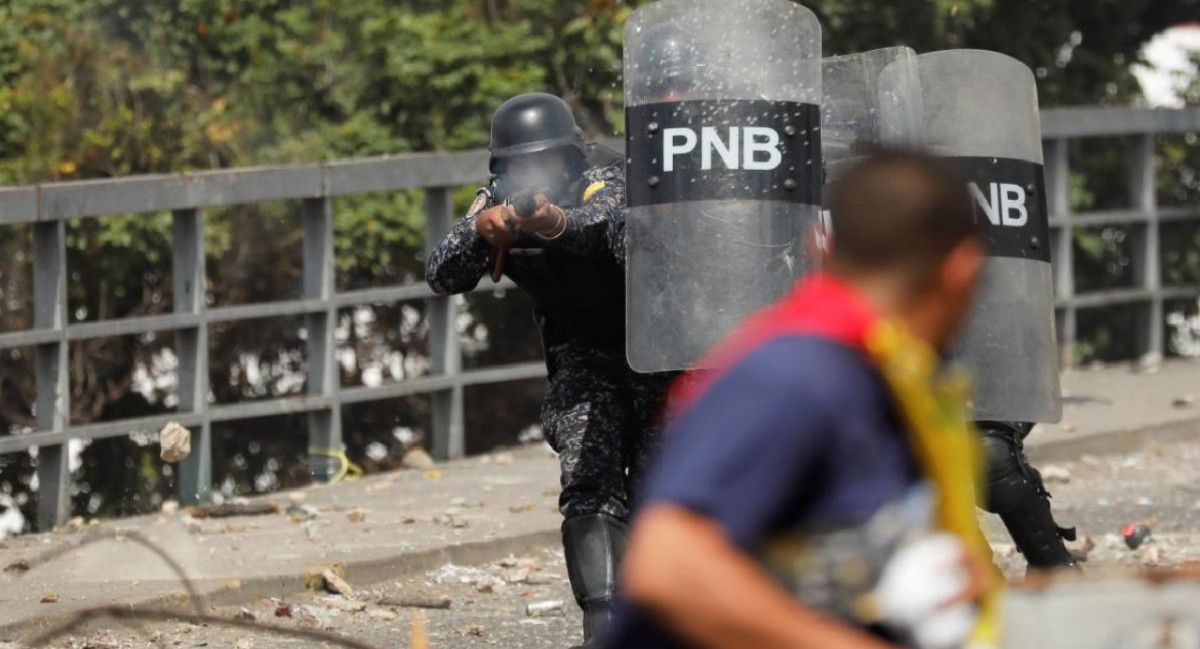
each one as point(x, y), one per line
point(1148, 294)
point(49, 206)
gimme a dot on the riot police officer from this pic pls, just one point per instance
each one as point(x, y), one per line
point(678, 61)
point(567, 253)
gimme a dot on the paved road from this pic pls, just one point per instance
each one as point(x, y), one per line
point(1160, 485)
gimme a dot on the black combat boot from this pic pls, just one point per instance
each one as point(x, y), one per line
point(1016, 493)
point(593, 545)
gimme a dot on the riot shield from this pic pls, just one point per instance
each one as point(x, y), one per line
point(981, 112)
point(870, 99)
point(723, 137)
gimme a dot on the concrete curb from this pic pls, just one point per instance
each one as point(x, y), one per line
point(1112, 442)
point(371, 571)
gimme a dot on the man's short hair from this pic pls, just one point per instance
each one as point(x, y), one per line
point(898, 211)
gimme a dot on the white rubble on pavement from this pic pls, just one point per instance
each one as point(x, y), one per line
point(12, 521)
point(176, 442)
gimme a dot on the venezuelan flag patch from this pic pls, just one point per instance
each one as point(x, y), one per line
point(592, 189)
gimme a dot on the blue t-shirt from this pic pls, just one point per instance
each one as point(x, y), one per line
point(798, 437)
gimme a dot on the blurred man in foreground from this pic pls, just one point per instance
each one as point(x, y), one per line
point(817, 489)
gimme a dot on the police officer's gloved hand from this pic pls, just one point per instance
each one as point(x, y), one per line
point(547, 218)
point(498, 225)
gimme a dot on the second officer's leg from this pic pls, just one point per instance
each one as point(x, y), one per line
point(1016, 493)
point(643, 437)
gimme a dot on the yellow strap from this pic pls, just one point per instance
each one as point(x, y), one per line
point(947, 448)
point(592, 189)
point(347, 470)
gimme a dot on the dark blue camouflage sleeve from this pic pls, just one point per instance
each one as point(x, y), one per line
point(463, 257)
point(597, 226)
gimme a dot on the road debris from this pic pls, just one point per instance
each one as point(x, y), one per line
point(312, 530)
point(318, 616)
point(1149, 363)
point(344, 605)
point(17, 565)
point(382, 614)
point(1183, 401)
point(283, 610)
point(190, 524)
point(175, 442)
point(245, 614)
point(233, 509)
point(300, 513)
point(416, 458)
point(1056, 473)
point(1135, 534)
point(1081, 548)
point(416, 602)
point(518, 575)
point(356, 515)
point(544, 609)
point(336, 585)
point(49, 599)
point(543, 579)
point(484, 580)
point(476, 631)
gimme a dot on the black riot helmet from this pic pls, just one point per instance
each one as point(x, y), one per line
point(532, 123)
point(676, 57)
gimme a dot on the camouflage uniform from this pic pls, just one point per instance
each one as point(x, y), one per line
point(598, 414)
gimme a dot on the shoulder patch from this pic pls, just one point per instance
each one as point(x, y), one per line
point(480, 204)
point(592, 189)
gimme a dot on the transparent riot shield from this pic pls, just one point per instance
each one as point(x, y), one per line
point(723, 138)
point(871, 99)
point(981, 112)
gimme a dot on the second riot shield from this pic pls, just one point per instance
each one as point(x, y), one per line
point(981, 112)
point(871, 99)
point(723, 137)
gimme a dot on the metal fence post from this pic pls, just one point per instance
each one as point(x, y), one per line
point(1147, 269)
point(1058, 177)
point(189, 278)
point(324, 378)
point(52, 371)
point(444, 354)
